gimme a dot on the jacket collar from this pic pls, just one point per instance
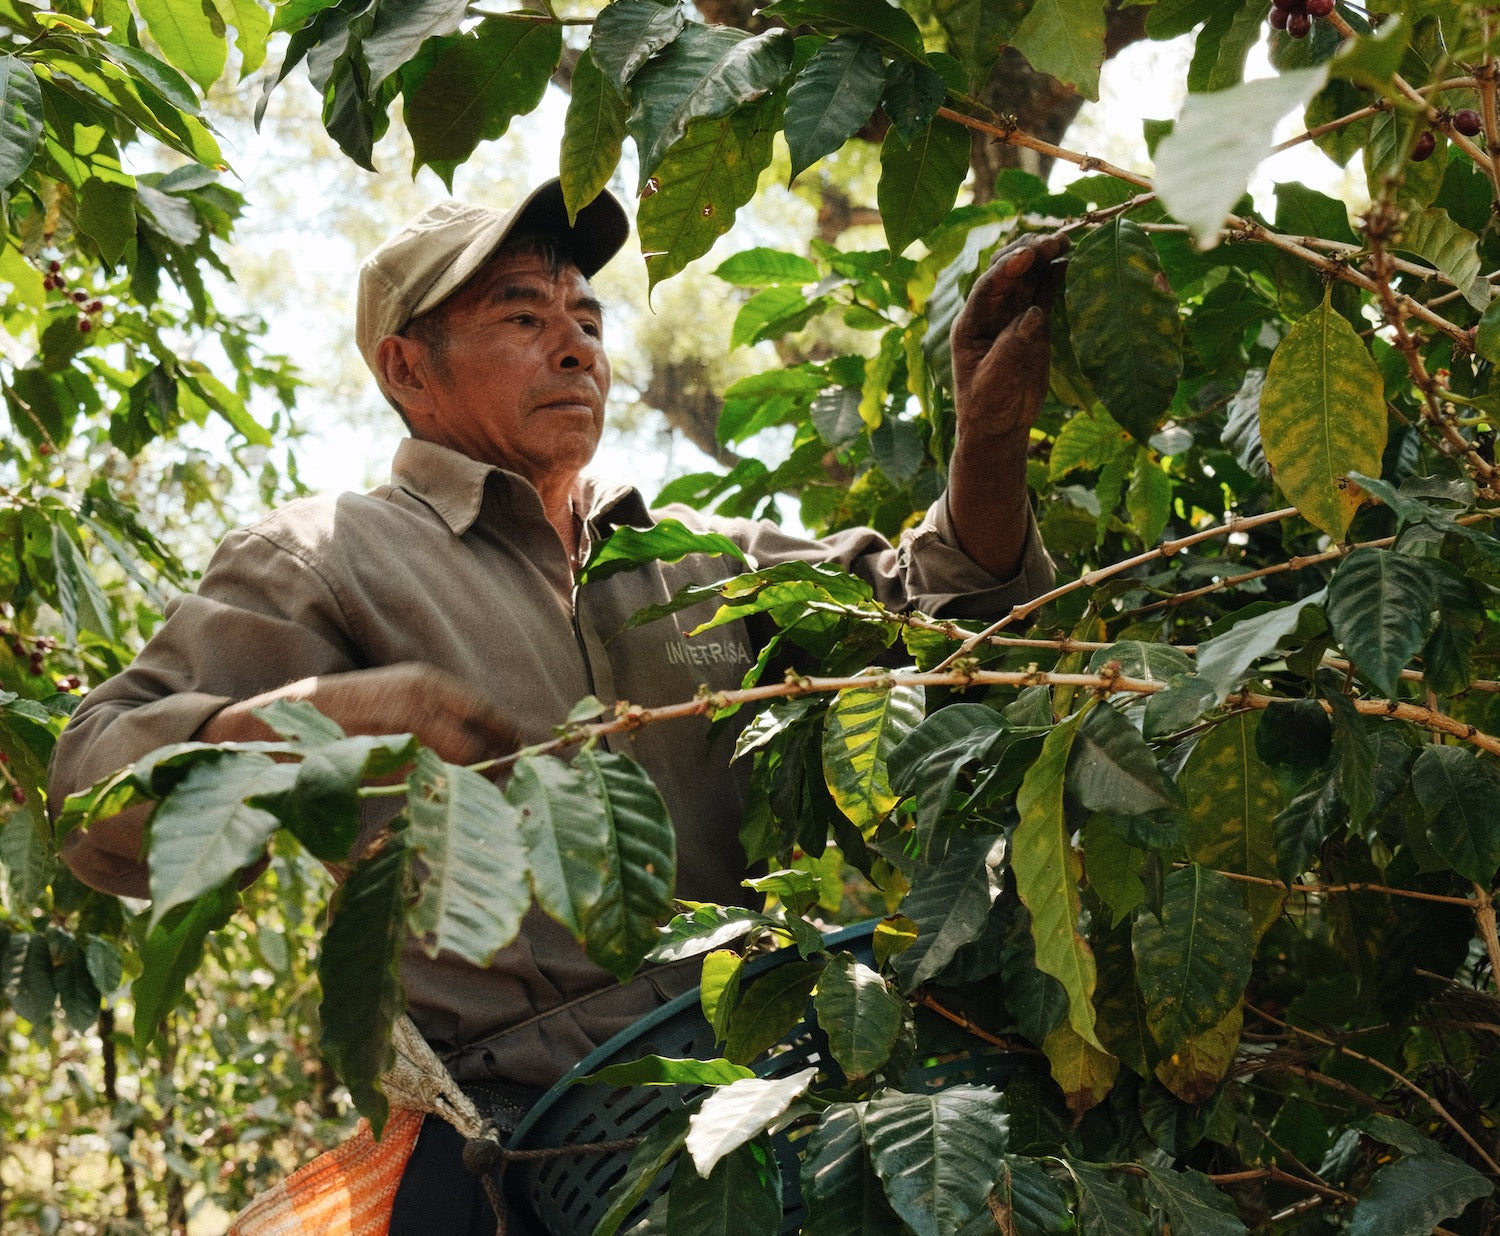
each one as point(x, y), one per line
point(454, 486)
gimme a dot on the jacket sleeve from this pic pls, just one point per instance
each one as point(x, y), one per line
point(261, 618)
point(925, 570)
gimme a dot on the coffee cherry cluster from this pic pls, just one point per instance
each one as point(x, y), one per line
point(1296, 16)
point(89, 307)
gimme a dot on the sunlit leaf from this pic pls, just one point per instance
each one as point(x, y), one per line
point(184, 30)
point(1205, 163)
point(593, 136)
point(863, 726)
point(20, 118)
point(731, 1115)
point(1064, 38)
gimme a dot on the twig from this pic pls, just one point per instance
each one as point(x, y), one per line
point(1401, 1079)
point(968, 1027)
point(1484, 914)
point(1089, 579)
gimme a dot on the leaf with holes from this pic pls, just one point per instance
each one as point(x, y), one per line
point(701, 182)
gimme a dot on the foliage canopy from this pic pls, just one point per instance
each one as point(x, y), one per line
point(1209, 831)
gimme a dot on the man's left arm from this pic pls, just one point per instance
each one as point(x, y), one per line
point(1001, 358)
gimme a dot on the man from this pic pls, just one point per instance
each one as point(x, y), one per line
point(445, 603)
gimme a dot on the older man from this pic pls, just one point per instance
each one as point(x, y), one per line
point(445, 602)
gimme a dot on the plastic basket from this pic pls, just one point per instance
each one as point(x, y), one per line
point(569, 1193)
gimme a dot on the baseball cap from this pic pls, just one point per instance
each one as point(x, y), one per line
point(432, 256)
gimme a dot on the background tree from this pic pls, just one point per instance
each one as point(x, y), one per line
point(1207, 834)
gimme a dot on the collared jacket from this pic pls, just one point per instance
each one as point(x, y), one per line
point(454, 564)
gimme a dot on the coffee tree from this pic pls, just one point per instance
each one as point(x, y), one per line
point(1205, 838)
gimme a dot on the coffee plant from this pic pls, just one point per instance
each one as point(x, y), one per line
point(1205, 839)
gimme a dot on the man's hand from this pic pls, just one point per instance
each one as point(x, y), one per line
point(1001, 358)
point(1000, 339)
point(437, 707)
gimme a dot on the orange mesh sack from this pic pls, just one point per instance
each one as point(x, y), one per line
point(347, 1192)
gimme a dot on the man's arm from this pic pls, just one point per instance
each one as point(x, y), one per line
point(1000, 346)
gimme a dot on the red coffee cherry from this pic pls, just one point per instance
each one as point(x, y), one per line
point(1468, 122)
point(1426, 144)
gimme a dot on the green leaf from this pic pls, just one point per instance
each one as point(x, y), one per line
point(1322, 416)
point(703, 928)
point(1091, 439)
point(1204, 164)
point(1125, 326)
point(661, 1071)
point(1412, 1196)
point(567, 838)
point(1031, 1198)
point(204, 832)
point(889, 26)
point(741, 1197)
point(1191, 1203)
point(759, 267)
point(1379, 609)
point(919, 180)
point(719, 990)
point(475, 889)
point(171, 952)
point(706, 73)
point(950, 904)
point(1193, 964)
point(593, 135)
point(20, 118)
point(1223, 660)
point(734, 1114)
point(1104, 1208)
point(913, 94)
point(860, 1014)
point(863, 726)
point(771, 313)
point(481, 80)
point(1232, 802)
point(703, 180)
point(627, 33)
point(768, 1008)
point(1460, 795)
point(185, 31)
point(1110, 767)
point(639, 865)
point(400, 28)
point(938, 1155)
point(1064, 38)
point(1047, 870)
point(668, 540)
point(29, 983)
point(26, 852)
point(1434, 237)
point(658, 1148)
point(358, 970)
point(1148, 500)
point(832, 97)
point(843, 1194)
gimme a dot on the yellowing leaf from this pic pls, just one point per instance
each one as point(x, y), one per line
point(1322, 416)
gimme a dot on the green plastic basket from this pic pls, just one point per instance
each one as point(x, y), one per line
point(569, 1193)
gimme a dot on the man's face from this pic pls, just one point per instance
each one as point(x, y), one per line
point(520, 377)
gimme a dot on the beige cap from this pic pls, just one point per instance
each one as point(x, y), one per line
point(435, 254)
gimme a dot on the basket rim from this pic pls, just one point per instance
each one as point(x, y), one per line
point(601, 1054)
